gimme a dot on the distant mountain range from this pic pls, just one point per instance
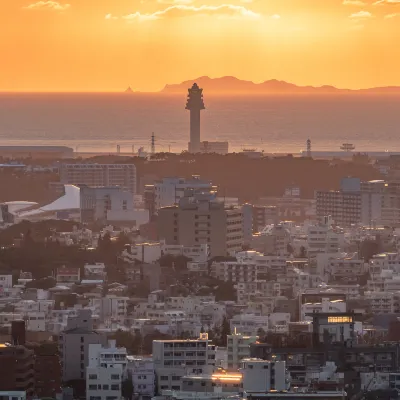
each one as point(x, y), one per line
point(232, 85)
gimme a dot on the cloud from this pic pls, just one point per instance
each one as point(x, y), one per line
point(182, 10)
point(175, 1)
point(353, 3)
point(389, 2)
point(389, 16)
point(361, 15)
point(49, 5)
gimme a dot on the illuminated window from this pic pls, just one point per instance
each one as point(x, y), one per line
point(335, 320)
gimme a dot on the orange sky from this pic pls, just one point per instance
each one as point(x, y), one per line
point(108, 45)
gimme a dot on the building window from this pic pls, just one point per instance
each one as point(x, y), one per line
point(332, 320)
point(114, 387)
point(92, 376)
point(82, 339)
point(115, 377)
point(163, 378)
point(92, 387)
point(106, 387)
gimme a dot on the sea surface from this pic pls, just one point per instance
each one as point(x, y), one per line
point(281, 124)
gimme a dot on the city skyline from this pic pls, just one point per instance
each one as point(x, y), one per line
point(70, 45)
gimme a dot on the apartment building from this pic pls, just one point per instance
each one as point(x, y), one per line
point(174, 359)
point(263, 216)
point(169, 191)
point(200, 220)
point(17, 368)
point(5, 282)
point(249, 324)
point(68, 275)
point(343, 207)
point(322, 238)
point(261, 376)
point(105, 371)
point(143, 377)
point(238, 348)
point(272, 240)
point(380, 302)
point(97, 175)
point(111, 307)
point(74, 345)
point(346, 270)
point(105, 204)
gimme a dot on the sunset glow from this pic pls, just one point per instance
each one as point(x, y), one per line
point(108, 45)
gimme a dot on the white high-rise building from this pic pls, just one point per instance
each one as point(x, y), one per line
point(105, 371)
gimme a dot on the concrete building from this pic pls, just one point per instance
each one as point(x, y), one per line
point(174, 359)
point(168, 191)
point(344, 207)
point(322, 239)
point(5, 282)
point(249, 324)
point(74, 345)
point(200, 220)
point(372, 202)
point(69, 275)
point(260, 376)
point(238, 348)
point(105, 371)
point(106, 204)
point(143, 377)
point(272, 240)
point(98, 175)
point(16, 368)
point(195, 104)
point(111, 308)
point(214, 147)
point(12, 395)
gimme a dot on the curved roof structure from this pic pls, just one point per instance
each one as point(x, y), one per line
point(69, 201)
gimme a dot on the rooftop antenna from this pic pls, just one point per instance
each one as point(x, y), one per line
point(153, 144)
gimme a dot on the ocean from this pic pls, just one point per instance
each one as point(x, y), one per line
point(281, 124)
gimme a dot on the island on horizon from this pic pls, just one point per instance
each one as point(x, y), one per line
point(233, 85)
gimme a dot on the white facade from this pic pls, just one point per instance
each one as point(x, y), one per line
point(249, 324)
point(326, 306)
point(5, 282)
point(111, 307)
point(380, 302)
point(105, 372)
point(238, 349)
point(170, 190)
point(143, 376)
point(198, 253)
point(323, 239)
point(174, 359)
point(35, 321)
point(97, 270)
point(261, 376)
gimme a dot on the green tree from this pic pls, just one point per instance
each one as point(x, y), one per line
point(127, 388)
point(225, 331)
